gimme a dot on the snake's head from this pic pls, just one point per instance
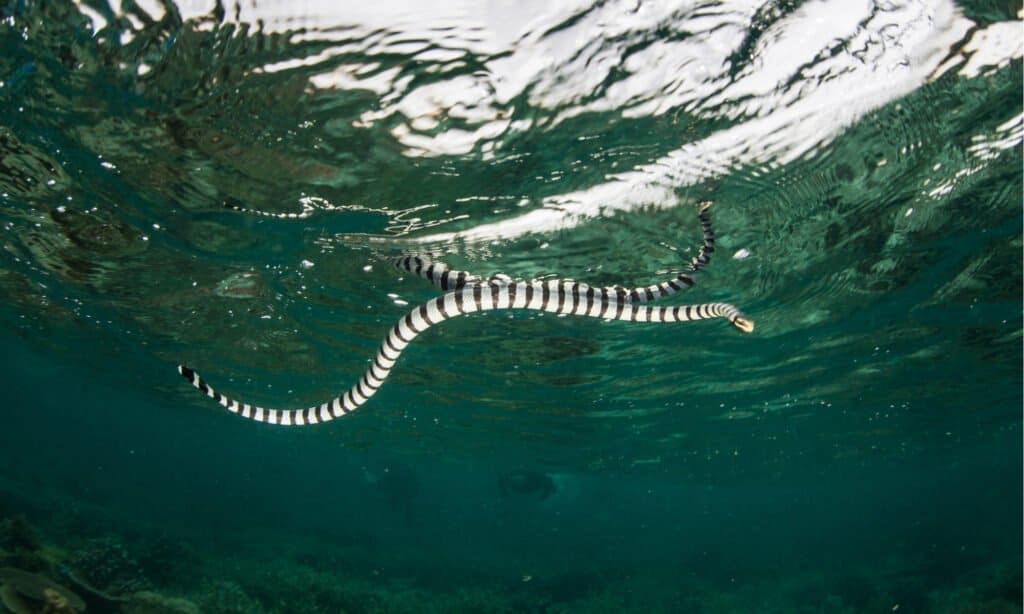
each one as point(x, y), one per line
point(743, 323)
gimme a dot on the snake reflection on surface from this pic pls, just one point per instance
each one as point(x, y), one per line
point(466, 293)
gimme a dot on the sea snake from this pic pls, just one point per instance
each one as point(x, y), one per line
point(466, 293)
point(448, 279)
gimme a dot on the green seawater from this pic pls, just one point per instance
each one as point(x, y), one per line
point(225, 185)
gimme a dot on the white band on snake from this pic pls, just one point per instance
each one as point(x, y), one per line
point(469, 294)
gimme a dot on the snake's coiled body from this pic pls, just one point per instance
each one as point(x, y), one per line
point(468, 294)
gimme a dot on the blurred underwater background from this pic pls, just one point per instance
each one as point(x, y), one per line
point(225, 185)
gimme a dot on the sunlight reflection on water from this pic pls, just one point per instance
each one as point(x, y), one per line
point(497, 69)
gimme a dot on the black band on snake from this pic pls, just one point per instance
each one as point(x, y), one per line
point(449, 279)
point(468, 294)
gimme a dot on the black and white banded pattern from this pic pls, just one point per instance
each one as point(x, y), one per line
point(447, 279)
point(469, 295)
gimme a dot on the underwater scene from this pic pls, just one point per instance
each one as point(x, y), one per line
point(704, 306)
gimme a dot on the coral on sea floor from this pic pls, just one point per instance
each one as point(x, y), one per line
point(104, 568)
point(23, 592)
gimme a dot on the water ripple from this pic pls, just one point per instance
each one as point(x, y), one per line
point(232, 181)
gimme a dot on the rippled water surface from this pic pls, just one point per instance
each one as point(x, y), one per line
point(226, 185)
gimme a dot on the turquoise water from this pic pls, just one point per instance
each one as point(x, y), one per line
point(225, 185)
